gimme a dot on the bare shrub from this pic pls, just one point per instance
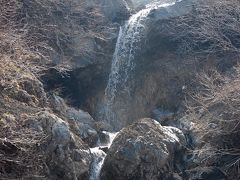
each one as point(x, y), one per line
point(212, 27)
point(214, 108)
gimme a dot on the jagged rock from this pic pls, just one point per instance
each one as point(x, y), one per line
point(162, 115)
point(87, 133)
point(103, 126)
point(104, 149)
point(104, 138)
point(116, 10)
point(67, 156)
point(80, 115)
point(59, 106)
point(81, 121)
point(144, 150)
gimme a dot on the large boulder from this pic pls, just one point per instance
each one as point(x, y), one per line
point(144, 150)
point(66, 155)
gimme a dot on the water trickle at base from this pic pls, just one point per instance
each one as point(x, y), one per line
point(99, 156)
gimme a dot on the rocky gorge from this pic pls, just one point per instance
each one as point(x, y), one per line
point(119, 89)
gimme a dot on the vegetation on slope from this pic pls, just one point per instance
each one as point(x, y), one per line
point(213, 102)
point(210, 38)
point(214, 110)
point(35, 35)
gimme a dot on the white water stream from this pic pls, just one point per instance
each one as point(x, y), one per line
point(127, 47)
point(99, 156)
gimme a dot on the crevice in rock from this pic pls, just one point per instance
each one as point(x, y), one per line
point(64, 83)
point(79, 87)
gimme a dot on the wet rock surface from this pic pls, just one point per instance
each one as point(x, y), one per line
point(144, 150)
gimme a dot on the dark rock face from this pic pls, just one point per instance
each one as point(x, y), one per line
point(116, 10)
point(144, 150)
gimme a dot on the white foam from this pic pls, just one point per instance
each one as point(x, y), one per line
point(99, 156)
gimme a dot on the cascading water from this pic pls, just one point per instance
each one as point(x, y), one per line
point(99, 156)
point(130, 38)
point(127, 47)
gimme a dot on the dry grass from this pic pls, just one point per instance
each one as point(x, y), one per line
point(213, 105)
point(50, 26)
point(20, 155)
point(214, 108)
point(213, 27)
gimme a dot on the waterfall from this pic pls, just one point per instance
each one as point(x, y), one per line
point(99, 156)
point(127, 47)
point(97, 163)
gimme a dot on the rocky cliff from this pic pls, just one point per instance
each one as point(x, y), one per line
point(72, 70)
